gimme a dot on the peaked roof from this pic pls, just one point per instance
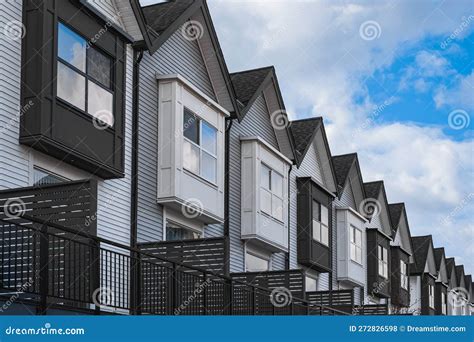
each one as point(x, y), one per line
point(421, 247)
point(439, 253)
point(450, 265)
point(161, 15)
point(459, 273)
point(395, 210)
point(246, 83)
point(342, 167)
point(372, 189)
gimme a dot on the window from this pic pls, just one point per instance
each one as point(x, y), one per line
point(271, 192)
point(84, 77)
point(356, 245)
point(403, 275)
point(199, 147)
point(41, 177)
point(382, 255)
point(175, 232)
point(431, 296)
point(254, 263)
point(311, 283)
point(320, 223)
point(443, 303)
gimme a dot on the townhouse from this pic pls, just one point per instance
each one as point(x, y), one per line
point(139, 176)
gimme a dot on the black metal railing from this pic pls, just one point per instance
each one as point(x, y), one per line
point(51, 265)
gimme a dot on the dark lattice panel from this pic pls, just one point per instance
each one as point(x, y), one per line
point(329, 298)
point(208, 254)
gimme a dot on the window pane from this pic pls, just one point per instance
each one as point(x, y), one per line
point(358, 235)
point(311, 284)
point(265, 176)
point(209, 167)
point(71, 86)
point(316, 206)
point(324, 234)
point(174, 232)
point(190, 157)
point(277, 184)
point(266, 201)
point(277, 208)
point(385, 254)
point(353, 252)
point(41, 177)
point(324, 215)
point(255, 264)
point(191, 126)
point(359, 255)
point(71, 47)
point(100, 103)
point(98, 66)
point(316, 230)
point(209, 138)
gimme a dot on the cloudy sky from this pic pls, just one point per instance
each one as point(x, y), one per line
point(394, 81)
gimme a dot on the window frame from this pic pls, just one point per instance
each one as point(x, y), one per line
point(431, 296)
point(311, 277)
point(60, 178)
point(382, 252)
point(86, 76)
point(321, 224)
point(272, 193)
point(258, 256)
point(354, 244)
point(403, 275)
point(201, 148)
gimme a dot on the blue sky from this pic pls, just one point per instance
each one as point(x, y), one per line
point(394, 82)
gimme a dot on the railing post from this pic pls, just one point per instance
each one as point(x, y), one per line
point(204, 294)
point(174, 289)
point(136, 287)
point(43, 270)
point(95, 273)
point(253, 300)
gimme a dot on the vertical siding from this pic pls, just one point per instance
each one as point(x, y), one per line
point(176, 56)
point(255, 123)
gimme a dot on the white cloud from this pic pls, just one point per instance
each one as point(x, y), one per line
point(322, 64)
point(461, 95)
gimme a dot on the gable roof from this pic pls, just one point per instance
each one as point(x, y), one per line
point(439, 253)
point(421, 248)
point(161, 20)
point(450, 267)
point(395, 210)
point(460, 275)
point(249, 85)
point(372, 191)
point(399, 218)
point(440, 261)
point(303, 132)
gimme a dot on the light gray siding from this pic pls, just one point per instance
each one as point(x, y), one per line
point(255, 123)
point(176, 56)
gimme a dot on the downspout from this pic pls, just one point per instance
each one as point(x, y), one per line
point(287, 261)
point(229, 122)
point(135, 271)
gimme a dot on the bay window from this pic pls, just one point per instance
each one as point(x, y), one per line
point(199, 147)
point(320, 223)
point(84, 76)
point(382, 255)
point(431, 296)
point(271, 192)
point(403, 275)
point(356, 244)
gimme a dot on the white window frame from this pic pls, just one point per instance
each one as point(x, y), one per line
point(267, 259)
point(274, 195)
point(431, 296)
point(201, 148)
point(403, 275)
point(318, 225)
point(354, 245)
point(382, 255)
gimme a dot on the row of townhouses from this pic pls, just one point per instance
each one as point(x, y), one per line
point(139, 176)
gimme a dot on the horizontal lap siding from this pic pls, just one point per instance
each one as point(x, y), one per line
point(14, 164)
point(176, 56)
point(255, 123)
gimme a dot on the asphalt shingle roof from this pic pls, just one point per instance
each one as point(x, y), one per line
point(160, 16)
point(372, 189)
point(395, 210)
point(438, 252)
point(246, 83)
point(342, 166)
point(303, 132)
point(450, 263)
point(459, 273)
point(421, 246)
